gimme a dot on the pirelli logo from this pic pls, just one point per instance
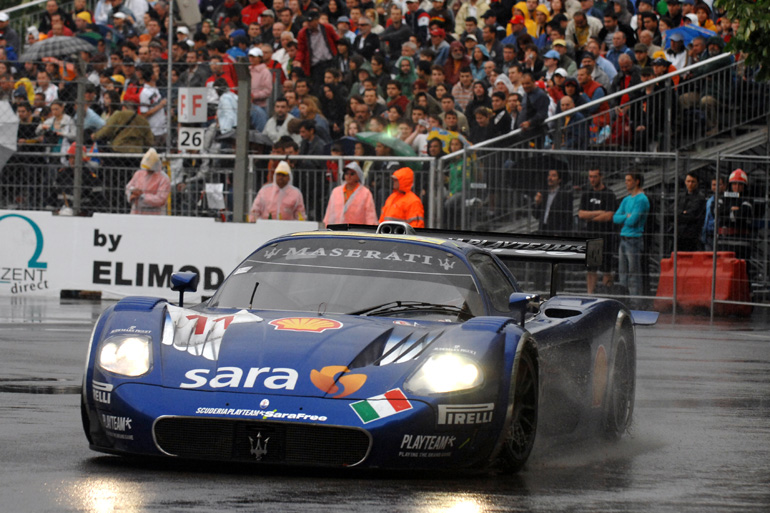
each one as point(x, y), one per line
point(465, 414)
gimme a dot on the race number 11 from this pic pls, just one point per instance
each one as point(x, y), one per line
point(191, 138)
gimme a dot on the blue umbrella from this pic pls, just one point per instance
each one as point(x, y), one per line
point(688, 32)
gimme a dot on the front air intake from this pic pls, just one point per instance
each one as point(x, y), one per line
point(261, 441)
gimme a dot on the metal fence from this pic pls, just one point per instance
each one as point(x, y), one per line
point(683, 110)
point(492, 186)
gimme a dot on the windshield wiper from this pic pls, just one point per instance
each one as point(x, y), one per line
point(399, 306)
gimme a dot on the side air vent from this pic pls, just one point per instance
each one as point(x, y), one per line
point(561, 313)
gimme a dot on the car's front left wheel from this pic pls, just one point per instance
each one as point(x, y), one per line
point(520, 435)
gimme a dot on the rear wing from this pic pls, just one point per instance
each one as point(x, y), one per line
point(506, 246)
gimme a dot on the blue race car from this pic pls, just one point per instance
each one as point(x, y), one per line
point(350, 348)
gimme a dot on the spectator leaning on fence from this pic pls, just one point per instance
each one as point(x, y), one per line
point(707, 232)
point(597, 206)
point(632, 216)
point(403, 204)
point(279, 200)
point(692, 210)
point(352, 201)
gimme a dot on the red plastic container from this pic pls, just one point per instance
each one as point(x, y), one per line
point(694, 278)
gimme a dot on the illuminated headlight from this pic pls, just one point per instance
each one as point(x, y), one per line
point(126, 355)
point(445, 372)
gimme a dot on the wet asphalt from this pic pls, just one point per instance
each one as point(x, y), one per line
point(700, 440)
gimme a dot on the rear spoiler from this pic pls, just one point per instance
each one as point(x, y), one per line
point(506, 246)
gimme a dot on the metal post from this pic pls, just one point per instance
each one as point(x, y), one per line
point(716, 242)
point(676, 236)
point(240, 204)
point(432, 194)
point(168, 74)
point(765, 225)
point(466, 190)
point(80, 137)
point(669, 117)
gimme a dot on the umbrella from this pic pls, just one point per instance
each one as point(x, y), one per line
point(445, 136)
point(9, 128)
point(399, 147)
point(348, 144)
point(56, 46)
point(91, 37)
point(688, 32)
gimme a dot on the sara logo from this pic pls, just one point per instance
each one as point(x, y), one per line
point(312, 324)
point(325, 381)
point(33, 276)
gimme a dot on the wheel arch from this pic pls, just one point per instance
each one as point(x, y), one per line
point(526, 344)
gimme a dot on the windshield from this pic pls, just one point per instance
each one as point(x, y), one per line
point(351, 275)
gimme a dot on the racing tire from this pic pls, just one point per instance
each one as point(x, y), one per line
point(620, 397)
point(520, 435)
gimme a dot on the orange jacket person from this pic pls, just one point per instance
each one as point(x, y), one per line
point(403, 204)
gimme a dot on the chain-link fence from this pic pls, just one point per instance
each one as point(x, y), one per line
point(503, 185)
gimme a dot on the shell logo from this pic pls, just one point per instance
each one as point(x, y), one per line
point(326, 380)
point(311, 324)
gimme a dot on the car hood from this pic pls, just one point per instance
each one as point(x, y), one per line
point(286, 353)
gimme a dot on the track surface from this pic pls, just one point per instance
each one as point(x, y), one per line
point(700, 439)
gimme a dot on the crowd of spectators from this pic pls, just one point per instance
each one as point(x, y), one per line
point(324, 70)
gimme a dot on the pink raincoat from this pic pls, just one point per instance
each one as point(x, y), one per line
point(359, 209)
point(273, 202)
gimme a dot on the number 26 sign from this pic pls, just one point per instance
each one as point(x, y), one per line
point(191, 138)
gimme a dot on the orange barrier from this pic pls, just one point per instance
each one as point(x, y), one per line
point(694, 279)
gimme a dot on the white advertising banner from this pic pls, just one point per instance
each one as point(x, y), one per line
point(123, 255)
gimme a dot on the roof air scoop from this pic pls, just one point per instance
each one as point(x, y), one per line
point(395, 228)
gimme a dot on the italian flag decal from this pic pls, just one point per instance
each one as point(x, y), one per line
point(381, 406)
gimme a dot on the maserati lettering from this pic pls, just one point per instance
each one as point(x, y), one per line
point(368, 254)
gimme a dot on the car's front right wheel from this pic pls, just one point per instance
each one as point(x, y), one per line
point(620, 398)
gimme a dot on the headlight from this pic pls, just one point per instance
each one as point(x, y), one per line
point(445, 372)
point(128, 355)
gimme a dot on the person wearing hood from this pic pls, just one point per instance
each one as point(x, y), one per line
point(457, 60)
point(279, 200)
point(405, 75)
point(480, 98)
point(479, 55)
point(542, 17)
point(403, 204)
point(351, 202)
point(522, 9)
point(149, 188)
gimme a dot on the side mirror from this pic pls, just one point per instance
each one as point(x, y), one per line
point(520, 301)
point(184, 282)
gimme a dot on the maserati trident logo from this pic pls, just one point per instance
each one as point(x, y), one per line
point(271, 253)
point(258, 446)
point(446, 264)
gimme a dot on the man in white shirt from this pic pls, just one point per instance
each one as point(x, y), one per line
point(152, 106)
